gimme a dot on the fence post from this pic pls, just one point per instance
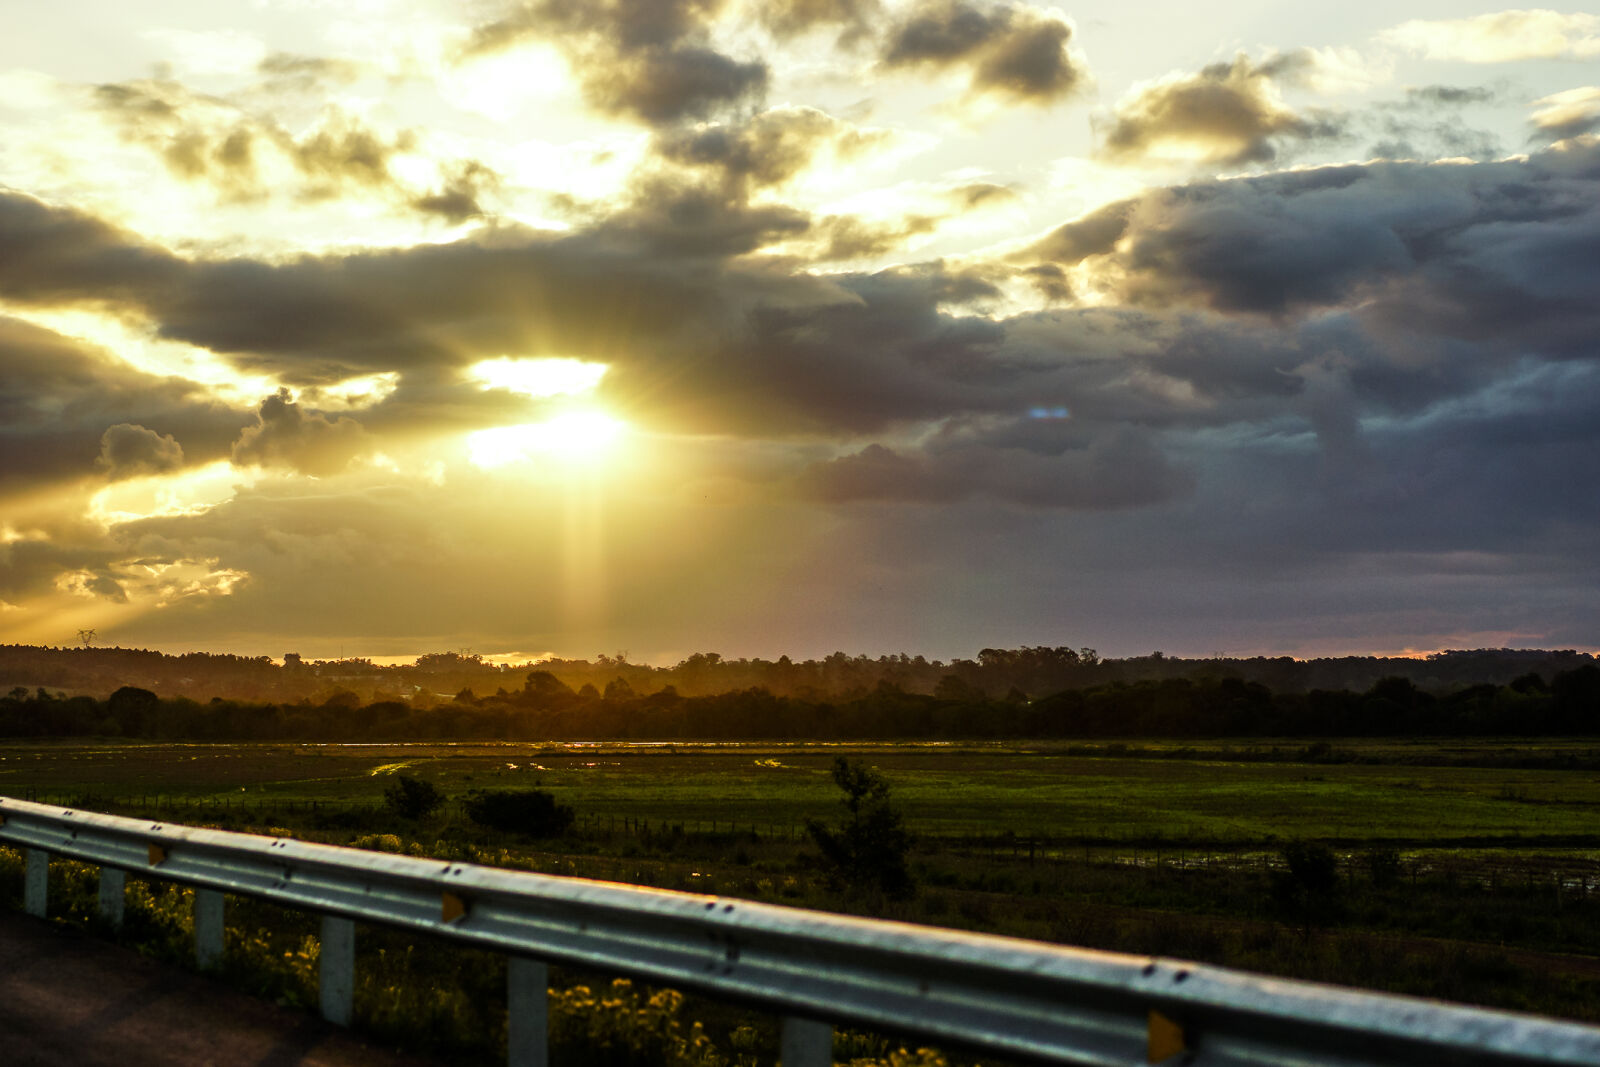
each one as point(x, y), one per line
point(805, 1043)
point(337, 978)
point(36, 882)
point(527, 1012)
point(207, 927)
point(112, 884)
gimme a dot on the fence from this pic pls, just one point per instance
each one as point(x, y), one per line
point(1010, 998)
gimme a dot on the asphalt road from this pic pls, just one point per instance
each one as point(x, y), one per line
point(70, 1000)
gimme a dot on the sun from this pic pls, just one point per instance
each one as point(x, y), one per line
point(571, 438)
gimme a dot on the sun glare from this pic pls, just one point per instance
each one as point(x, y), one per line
point(573, 437)
point(191, 492)
point(555, 376)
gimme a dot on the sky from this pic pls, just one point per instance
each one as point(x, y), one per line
point(383, 327)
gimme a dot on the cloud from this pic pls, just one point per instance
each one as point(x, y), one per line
point(1464, 251)
point(286, 435)
point(246, 156)
point(1501, 37)
point(1213, 295)
point(56, 255)
point(770, 147)
point(1226, 114)
point(1568, 114)
point(204, 139)
point(650, 60)
point(1119, 469)
point(790, 18)
point(1008, 51)
point(58, 395)
point(127, 450)
point(1443, 96)
point(287, 72)
point(461, 195)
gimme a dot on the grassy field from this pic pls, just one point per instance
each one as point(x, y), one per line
point(944, 791)
point(1469, 871)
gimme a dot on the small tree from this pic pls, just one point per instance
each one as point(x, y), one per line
point(412, 798)
point(1308, 889)
point(520, 811)
point(868, 849)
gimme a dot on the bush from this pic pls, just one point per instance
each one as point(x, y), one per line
point(412, 798)
point(1384, 866)
point(868, 849)
point(520, 811)
point(1308, 889)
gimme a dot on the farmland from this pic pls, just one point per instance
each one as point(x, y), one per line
point(1411, 794)
point(1465, 869)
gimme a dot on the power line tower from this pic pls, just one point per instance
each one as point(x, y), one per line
point(87, 637)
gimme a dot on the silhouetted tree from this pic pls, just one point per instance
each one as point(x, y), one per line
point(520, 811)
point(1307, 889)
point(412, 798)
point(868, 849)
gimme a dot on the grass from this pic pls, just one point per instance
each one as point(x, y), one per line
point(944, 791)
point(1160, 849)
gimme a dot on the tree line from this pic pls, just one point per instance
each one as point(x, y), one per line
point(546, 708)
point(994, 673)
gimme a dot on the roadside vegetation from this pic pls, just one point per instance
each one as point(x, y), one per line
point(1462, 870)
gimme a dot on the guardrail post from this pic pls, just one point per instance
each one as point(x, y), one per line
point(207, 927)
point(805, 1043)
point(113, 883)
point(337, 978)
point(527, 1012)
point(36, 882)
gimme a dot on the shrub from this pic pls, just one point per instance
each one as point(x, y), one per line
point(868, 849)
point(1308, 889)
point(520, 811)
point(412, 798)
point(1384, 866)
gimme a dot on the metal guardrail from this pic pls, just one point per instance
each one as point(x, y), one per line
point(1000, 996)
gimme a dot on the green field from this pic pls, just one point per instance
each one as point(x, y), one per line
point(1468, 871)
point(943, 790)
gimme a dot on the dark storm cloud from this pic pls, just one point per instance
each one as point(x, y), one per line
point(647, 59)
point(58, 396)
point(1498, 250)
point(128, 450)
point(1311, 299)
point(55, 255)
point(287, 435)
point(1012, 51)
point(1226, 114)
